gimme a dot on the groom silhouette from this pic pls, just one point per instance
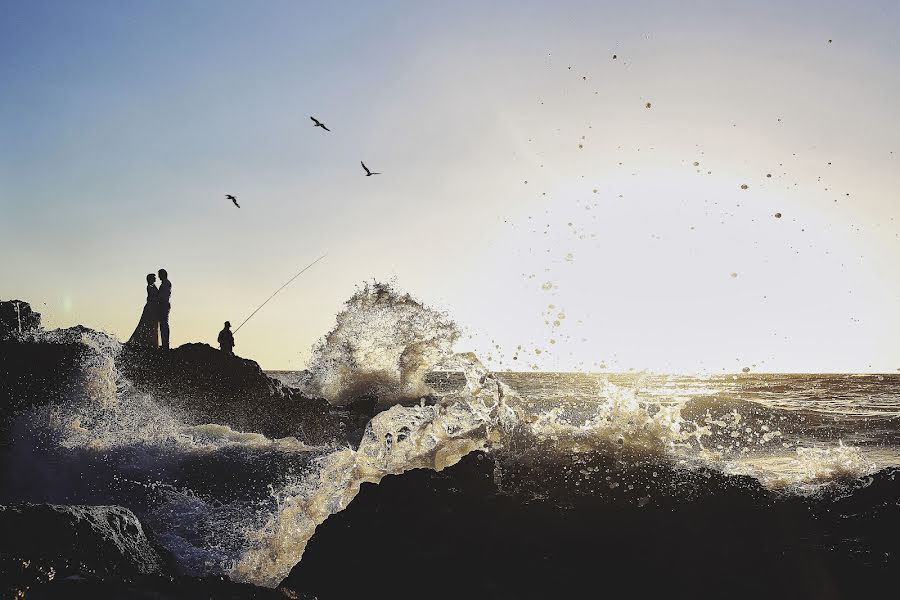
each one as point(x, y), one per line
point(165, 293)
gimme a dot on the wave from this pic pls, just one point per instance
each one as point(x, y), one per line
point(807, 470)
point(383, 345)
point(247, 505)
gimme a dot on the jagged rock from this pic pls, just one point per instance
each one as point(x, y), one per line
point(504, 539)
point(47, 367)
point(34, 373)
point(58, 552)
point(147, 587)
point(86, 540)
point(16, 317)
point(203, 384)
point(198, 370)
point(206, 385)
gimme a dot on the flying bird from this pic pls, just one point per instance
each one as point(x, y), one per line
point(233, 199)
point(368, 172)
point(319, 123)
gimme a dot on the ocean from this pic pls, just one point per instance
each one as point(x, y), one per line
point(749, 485)
point(465, 483)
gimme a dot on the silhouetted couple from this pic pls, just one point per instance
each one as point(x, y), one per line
point(155, 318)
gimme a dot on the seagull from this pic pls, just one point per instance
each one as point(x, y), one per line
point(318, 123)
point(368, 172)
point(233, 199)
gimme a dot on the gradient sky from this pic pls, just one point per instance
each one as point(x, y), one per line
point(123, 124)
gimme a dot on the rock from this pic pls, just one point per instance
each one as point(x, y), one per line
point(202, 384)
point(521, 535)
point(150, 587)
point(16, 317)
point(206, 385)
point(59, 366)
point(59, 552)
point(35, 373)
point(79, 540)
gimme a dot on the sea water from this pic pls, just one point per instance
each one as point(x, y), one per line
point(239, 504)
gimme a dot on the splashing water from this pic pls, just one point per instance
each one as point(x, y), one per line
point(382, 346)
point(808, 470)
point(396, 440)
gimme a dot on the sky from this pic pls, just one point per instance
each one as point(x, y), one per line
point(563, 179)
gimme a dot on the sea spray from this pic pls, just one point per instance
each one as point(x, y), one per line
point(382, 346)
point(396, 440)
point(807, 471)
point(230, 501)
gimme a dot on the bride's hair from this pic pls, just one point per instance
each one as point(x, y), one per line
point(150, 277)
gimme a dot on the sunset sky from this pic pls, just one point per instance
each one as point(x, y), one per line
point(584, 155)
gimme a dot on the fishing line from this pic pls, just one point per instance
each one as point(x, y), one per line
point(279, 289)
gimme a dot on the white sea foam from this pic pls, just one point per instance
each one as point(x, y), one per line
point(807, 470)
point(383, 345)
point(396, 440)
point(103, 411)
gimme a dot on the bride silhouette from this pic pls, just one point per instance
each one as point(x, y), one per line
point(147, 331)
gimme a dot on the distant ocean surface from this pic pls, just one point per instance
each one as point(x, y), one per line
point(785, 429)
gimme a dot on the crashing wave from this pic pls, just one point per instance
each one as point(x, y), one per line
point(383, 345)
point(808, 470)
point(396, 440)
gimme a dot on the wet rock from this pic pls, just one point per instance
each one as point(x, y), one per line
point(536, 533)
point(202, 384)
point(28, 579)
point(36, 373)
point(206, 385)
point(60, 552)
point(158, 588)
point(16, 318)
point(58, 541)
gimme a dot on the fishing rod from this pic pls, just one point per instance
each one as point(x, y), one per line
point(279, 289)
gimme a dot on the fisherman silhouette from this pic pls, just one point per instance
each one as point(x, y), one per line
point(226, 339)
point(165, 293)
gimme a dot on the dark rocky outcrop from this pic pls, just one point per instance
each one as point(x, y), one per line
point(205, 385)
point(202, 384)
point(46, 541)
point(36, 370)
point(60, 552)
point(16, 317)
point(35, 373)
point(160, 588)
point(461, 533)
point(143, 587)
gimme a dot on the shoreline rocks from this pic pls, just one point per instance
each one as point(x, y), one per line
point(17, 318)
point(99, 540)
point(202, 384)
point(46, 542)
point(205, 385)
point(61, 551)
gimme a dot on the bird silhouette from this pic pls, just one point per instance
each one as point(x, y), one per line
point(319, 123)
point(233, 199)
point(368, 172)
